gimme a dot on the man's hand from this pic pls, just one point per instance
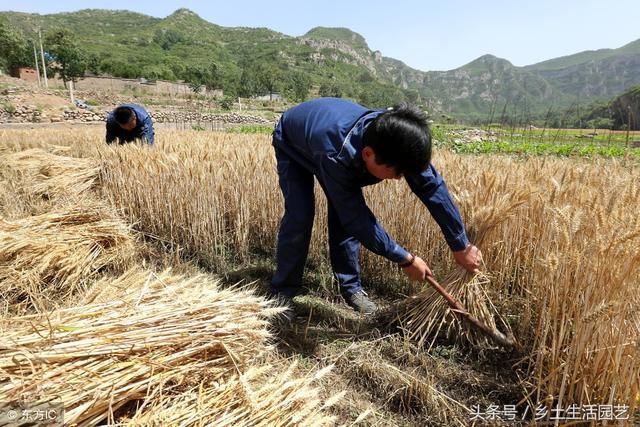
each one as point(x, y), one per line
point(418, 270)
point(470, 258)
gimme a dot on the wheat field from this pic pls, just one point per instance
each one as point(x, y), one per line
point(560, 239)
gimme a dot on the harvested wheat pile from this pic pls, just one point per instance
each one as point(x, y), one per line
point(82, 142)
point(27, 141)
point(45, 259)
point(51, 175)
point(32, 181)
point(164, 335)
point(263, 396)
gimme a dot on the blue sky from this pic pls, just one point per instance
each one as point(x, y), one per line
point(426, 35)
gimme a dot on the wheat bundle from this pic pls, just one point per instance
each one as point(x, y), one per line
point(164, 333)
point(262, 396)
point(46, 258)
point(20, 140)
point(424, 315)
point(50, 175)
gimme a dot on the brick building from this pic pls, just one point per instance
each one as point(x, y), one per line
point(25, 73)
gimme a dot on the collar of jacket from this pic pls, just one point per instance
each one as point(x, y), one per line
point(350, 152)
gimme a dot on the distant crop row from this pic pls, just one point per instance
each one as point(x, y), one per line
point(546, 148)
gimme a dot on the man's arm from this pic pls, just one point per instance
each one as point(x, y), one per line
point(146, 131)
point(356, 218)
point(111, 131)
point(432, 191)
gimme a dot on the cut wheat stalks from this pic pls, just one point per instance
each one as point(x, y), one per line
point(262, 397)
point(45, 259)
point(163, 332)
point(406, 388)
point(13, 144)
point(50, 175)
point(427, 315)
point(82, 142)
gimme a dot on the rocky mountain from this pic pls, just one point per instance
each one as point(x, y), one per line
point(621, 112)
point(490, 86)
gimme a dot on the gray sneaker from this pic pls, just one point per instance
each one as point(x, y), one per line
point(360, 302)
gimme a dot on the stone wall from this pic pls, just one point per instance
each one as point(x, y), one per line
point(31, 114)
point(140, 86)
point(187, 116)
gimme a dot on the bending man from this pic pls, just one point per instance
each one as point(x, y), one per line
point(346, 147)
point(128, 123)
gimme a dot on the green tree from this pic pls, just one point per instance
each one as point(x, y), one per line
point(331, 89)
point(158, 72)
point(230, 81)
point(167, 38)
point(119, 68)
point(177, 66)
point(68, 60)
point(93, 63)
point(365, 77)
point(195, 76)
point(380, 96)
point(210, 77)
point(297, 86)
point(14, 49)
point(213, 77)
point(269, 77)
point(195, 87)
point(412, 96)
point(248, 85)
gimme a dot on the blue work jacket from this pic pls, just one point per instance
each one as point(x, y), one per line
point(143, 129)
point(325, 137)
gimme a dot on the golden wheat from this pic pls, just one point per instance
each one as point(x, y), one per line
point(47, 260)
point(568, 246)
point(164, 332)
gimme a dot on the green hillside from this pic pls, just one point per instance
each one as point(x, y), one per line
point(242, 61)
point(632, 48)
point(570, 60)
point(322, 62)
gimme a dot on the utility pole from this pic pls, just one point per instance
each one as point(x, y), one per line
point(71, 91)
point(35, 57)
point(44, 64)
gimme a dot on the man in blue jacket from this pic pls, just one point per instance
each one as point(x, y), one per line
point(346, 147)
point(129, 122)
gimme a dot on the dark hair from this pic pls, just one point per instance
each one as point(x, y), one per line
point(123, 115)
point(401, 138)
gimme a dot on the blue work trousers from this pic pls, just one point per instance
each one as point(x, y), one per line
point(294, 235)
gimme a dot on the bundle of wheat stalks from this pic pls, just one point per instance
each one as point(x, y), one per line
point(46, 258)
point(37, 180)
point(426, 315)
point(260, 397)
point(163, 335)
point(82, 141)
point(52, 175)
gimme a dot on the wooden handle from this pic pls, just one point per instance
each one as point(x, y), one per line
point(457, 307)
